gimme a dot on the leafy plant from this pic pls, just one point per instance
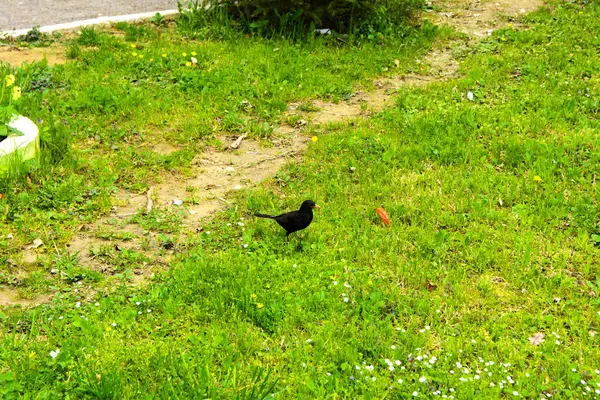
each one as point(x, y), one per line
point(300, 17)
point(158, 19)
point(10, 96)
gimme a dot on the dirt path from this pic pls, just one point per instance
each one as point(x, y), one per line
point(220, 171)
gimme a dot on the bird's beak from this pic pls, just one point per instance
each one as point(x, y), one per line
point(316, 206)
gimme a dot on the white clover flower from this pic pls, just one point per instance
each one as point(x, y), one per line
point(54, 353)
point(422, 379)
point(78, 304)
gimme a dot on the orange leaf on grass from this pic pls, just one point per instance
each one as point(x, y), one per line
point(385, 218)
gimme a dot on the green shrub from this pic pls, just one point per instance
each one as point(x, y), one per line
point(299, 17)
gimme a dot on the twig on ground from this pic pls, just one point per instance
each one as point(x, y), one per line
point(149, 195)
point(238, 142)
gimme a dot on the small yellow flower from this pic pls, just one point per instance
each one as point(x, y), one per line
point(184, 54)
point(164, 55)
point(314, 138)
point(32, 354)
point(108, 329)
point(133, 45)
point(193, 53)
point(510, 25)
point(134, 54)
point(537, 179)
point(259, 305)
point(253, 295)
point(188, 64)
point(9, 80)
point(16, 93)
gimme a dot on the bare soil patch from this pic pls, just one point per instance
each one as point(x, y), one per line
point(10, 297)
point(481, 17)
point(14, 55)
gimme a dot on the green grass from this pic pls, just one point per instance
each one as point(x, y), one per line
point(493, 237)
point(93, 104)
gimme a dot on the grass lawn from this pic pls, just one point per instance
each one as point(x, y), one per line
point(484, 285)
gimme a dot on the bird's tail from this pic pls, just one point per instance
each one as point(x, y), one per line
point(263, 216)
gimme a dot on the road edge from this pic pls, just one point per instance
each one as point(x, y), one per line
point(88, 22)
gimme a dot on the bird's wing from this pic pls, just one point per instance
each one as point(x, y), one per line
point(294, 220)
point(287, 217)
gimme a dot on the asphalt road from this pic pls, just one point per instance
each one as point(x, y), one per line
point(25, 14)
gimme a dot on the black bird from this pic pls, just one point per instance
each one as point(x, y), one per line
point(296, 220)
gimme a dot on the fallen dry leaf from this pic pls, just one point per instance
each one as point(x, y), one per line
point(537, 339)
point(1, 196)
point(36, 243)
point(383, 215)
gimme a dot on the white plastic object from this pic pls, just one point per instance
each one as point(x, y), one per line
point(20, 148)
